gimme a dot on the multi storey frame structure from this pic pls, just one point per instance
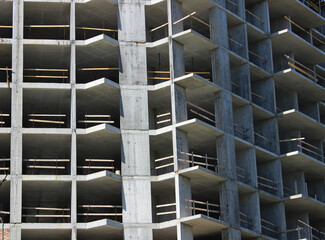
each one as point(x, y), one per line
point(162, 119)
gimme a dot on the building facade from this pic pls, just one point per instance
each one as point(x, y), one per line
point(162, 119)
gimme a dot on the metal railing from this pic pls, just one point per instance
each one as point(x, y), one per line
point(304, 70)
point(206, 208)
point(206, 161)
point(309, 231)
point(269, 228)
point(305, 148)
point(267, 184)
point(242, 175)
point(316, 6)
point(245, 220)
point(201, 113)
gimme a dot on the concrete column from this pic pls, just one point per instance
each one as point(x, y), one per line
point(16, 120)
point(241, 82)
point(73, 124)
point(218, 23)
point(221, 68)
point(136, 181)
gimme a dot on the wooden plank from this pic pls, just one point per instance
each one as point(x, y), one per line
point(100, 206)
point(98, 160)
point(47, 167)
point(256, 55)
point(166, 213)
point(47, 26)
point(95, 121)
point(183, 18)
point(97, 29)
point(46, 70)
point(46, 115)
point(4, 115)
point(39, 76)
point(45, 121)
point(97, 116)
point(159, 27)
point(164, 158)
point(202, 116)
point(46, 216)
point(100, 214)
point(257, 17)
point(166, 205)
point(94, 167)
point(98, 69)
point(163, 115)
point(199, 108)
point(46, 209)
point(164, 121)
point(46, 160)
point(163, 166)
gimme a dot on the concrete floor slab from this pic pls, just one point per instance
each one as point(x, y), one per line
point(298, 161)
point(305, 87)
point(260, 113)
point(100, 230)
point(298, 12)
point(300, 203)
point(286, 41)
point(293, 119)
point(204, 225)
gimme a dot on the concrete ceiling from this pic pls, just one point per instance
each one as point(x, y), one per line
point(46, 56)
point(96, 13)
point(38, 13)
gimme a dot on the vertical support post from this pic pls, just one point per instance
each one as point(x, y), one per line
point(16, 120)
point(73, 121)
point(134, 121)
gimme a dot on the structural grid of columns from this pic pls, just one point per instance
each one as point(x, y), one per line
point(162, 119)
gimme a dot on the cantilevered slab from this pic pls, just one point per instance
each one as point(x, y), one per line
point(102, 187)
point(199, 174)
point(305, 87)
point(197, 46)
point(248, 234)
point(199, 90)
point(100, 230)
point(159, 95)
point(299, 13)
point(99, 136)
point(260, 113)
point(298, 161)
point(263, 155)
point(99, 96)
point(267, 197)
point(201, 135)
point(300, 203)
point(236, 59)
point(244, 188)
point(99, 41)
point(293, 119)
point(204, 225)
point(257, 73)
point(95, 51)
point(254, 33)
point(194, 40)
point(161, 139)
point(286, 41)
point(242, 144)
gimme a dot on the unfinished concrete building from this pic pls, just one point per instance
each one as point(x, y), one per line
point(162, 119)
